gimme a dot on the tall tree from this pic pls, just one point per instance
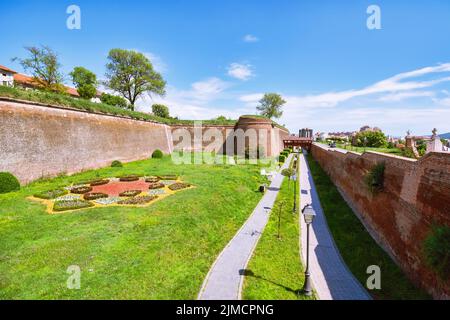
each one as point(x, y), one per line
point(44, 66)
point(85, 81)
point(131, 74)
point(270, 105)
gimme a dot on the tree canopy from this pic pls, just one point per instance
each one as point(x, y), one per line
point(373, 139)
point(160, 110)
point(270, 105)
point(44, 66)
point(131, 74)
point(85, 81)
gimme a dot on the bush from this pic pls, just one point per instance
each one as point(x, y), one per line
point(408, 153)
point(65, 205)
point(51, 194)
point(8, 183)
point(116, 164)
point(152, 179)
point(115, 101)
point(437, 251)
point(157, 154)
point(372, 139)
point(287, 172)
point(160, 110)
point(282, 158)
point(375, 178)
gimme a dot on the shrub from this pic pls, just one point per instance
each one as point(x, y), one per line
point(98, 182)
point(8, 183)
point(282, 158)
point(81, 190)
point(160, 110)
point(408, 153)
point(179, 186)
point(51, 194)
point(156, 185)
point(116, 164)
point(94, 196)
point(375, 178)
point(116, 101)
point(152, 179)
point(287, 172)
point(157, 154)
point(129, 178)
point(437, 251)
point(130, 193)
point(65, 205)
point(374, 139)
point(138, 200)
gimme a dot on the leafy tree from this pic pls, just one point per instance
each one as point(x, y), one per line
point(131, 74)
point(44, 66)
point(160, 110)
point(373, 139)
point(270, 105)
point(85, 81)
point(114, 100)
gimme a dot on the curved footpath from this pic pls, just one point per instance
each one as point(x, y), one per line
point(330, 276)
point(224, 280)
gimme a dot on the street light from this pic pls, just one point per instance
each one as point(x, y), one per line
point(308, 214)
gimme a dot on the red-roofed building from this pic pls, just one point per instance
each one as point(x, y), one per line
point(6, 76)
point(10, 77)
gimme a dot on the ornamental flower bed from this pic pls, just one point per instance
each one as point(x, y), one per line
point(126, 190)
point(94, 196)
point(130, 193)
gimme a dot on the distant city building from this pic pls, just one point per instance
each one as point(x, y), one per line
point(320, 136)
point(306, 133)
point(368, 128)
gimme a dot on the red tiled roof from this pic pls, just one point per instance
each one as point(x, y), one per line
point(6, 69)
point(295, 138)
point(27, 80)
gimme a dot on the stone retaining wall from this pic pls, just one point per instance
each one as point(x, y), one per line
point(415, 197)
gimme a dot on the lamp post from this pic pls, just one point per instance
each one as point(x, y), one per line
point(308, 214)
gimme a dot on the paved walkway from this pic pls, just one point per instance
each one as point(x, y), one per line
point(224, 280)
point(330, 276)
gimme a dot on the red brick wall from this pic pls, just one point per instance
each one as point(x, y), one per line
point(416, 195)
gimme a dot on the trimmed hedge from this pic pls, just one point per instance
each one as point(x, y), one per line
point(94, 196)
point(138, 200)
point(168, 177)
point(8, 183)
point(116, 164)
point(179, 186)
point(282, 158)
point(157, 154)
point(130, 193)
point(129, 178)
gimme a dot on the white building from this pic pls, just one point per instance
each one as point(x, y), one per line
point(6, 76)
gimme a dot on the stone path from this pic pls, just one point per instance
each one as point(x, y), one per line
point(330, 276)
point(224, 280)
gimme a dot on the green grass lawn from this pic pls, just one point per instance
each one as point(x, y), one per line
point(163, 251)
point(357, 247)
point(275, 271)
point(393, 151)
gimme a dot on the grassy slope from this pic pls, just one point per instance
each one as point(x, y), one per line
point(356, 246)
point(275, 269)
point(393, 151)
point(70, 102)
point(160, 252)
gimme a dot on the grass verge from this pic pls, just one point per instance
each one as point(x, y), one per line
point(358, 249)
point(275, 271)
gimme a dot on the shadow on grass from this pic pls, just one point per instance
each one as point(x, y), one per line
point(250, 273)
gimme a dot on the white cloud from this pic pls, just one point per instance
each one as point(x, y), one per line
point(240, 71)
point(250, 38)
point(399, 96)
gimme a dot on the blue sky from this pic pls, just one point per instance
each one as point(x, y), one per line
point(219, 57)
